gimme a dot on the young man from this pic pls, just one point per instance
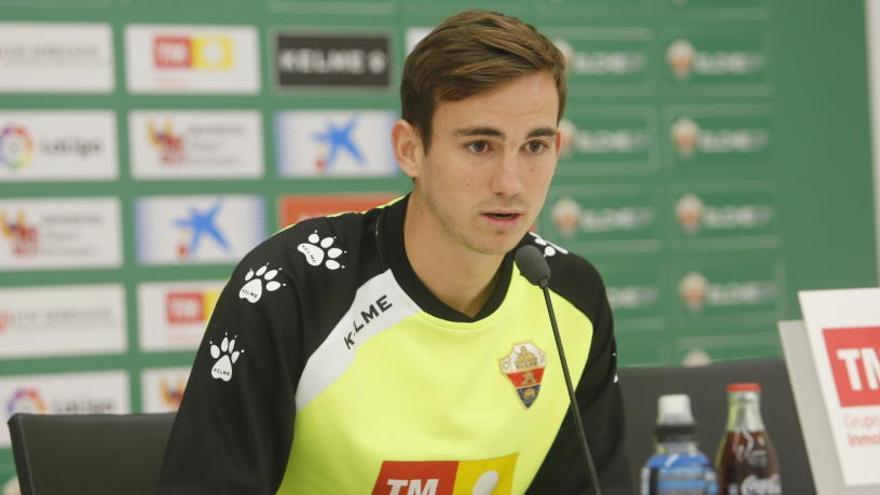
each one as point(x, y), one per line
point(399, 351)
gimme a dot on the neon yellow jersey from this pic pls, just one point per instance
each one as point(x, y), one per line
point(351, 377)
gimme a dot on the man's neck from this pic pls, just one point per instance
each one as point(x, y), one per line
point(461, 278)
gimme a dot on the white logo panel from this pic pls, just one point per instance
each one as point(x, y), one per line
point(62, 320)
point(105, 392)
point(52, 146)
point(313, 143)
point(56, 57)
point(174, 230)
point(192, 59)
point(59, 233)
point(162, 389)
point(169, 145)
point(173, 315)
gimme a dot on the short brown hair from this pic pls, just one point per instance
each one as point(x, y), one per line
point(471, 53)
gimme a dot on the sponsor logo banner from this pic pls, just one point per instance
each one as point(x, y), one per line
point(162, 389)
point(703, 138)
point(174, 315)
point(59, 233)
point(335, 143)
point(168, 145)
point(735, 289)
point(610, 219)
point(606, 60)
point(56, 57)
point(103, 392)
point(843, 327)
point(296, 208)
point(636, 291)
point(734, 214)
point(717, 59)
point(608, 141)
point(62, 320)
point(174, 230)
point(446, 477)
point(53, 146)
point(720, 7)
point(332, 60)
point(192, 59)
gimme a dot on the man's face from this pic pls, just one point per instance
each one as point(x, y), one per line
point(492, 156)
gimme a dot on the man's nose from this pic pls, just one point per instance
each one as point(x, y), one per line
point(506, 180)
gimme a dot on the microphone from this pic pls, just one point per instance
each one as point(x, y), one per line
point(534, 267)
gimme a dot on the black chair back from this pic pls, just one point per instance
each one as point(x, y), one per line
point(93, 454)
point(706, 387)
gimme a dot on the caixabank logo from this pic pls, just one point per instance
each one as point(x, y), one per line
point(335, 143)
point(854, 356)
point(478, 477)
point(323, 60)
point(197, 229)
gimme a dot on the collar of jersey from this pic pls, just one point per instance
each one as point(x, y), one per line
point(391, 239)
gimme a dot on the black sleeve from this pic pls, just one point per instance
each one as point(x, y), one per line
point(234, 428)
point(601, 405)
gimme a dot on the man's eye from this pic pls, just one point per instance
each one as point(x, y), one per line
point(536, 146)
point(478, 147)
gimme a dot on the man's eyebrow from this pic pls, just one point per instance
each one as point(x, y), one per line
point(542, 132)
point(493, 132)
point(478, 131)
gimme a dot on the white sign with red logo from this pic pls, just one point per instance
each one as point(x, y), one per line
point(62, 320)
point(173, 315)
point(104, 392)
point(192, 59)
point(56, 57)
point(60, 233)
point(207, 144)
point(844, 334)
point(54, 146)
point(162, 389)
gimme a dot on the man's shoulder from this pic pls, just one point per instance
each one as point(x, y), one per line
point(571, 276)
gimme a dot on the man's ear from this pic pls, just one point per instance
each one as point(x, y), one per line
point(407, 144)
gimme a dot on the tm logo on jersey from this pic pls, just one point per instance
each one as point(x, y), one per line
point(474, 477)
point(226, 356)
point(318, 251)
point(255, 282)
point(524, 367)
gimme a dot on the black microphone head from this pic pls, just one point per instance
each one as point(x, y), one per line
point(533, 265)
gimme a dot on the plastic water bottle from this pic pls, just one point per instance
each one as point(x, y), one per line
point(677, 467)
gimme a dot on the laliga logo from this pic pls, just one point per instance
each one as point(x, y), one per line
point(689, 210)
point(680, 57)
point(566, 216)
point(16, 147)
point(692, 289)
point(26, 400)
point(685, 134)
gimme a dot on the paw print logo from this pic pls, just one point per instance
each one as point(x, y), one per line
point(255, 282)
point(549, 248)
point(226, 356)
point(318, 251)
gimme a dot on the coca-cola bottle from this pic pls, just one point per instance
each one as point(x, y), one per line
point(746, 462)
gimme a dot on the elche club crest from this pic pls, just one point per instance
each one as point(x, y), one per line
point(524, 367)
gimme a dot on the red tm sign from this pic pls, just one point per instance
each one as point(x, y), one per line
point(854, 354)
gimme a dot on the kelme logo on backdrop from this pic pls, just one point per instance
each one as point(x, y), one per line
point(697, 292)
point(313, 143)
point(330, 60)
